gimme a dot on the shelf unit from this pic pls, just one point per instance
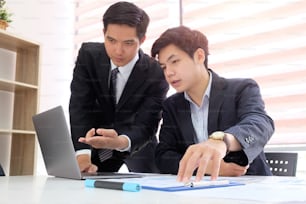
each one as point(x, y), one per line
point(24, 86)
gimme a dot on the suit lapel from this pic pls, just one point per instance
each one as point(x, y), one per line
point(103, 69)
point(184, 117)
point(215, 102)
point(137, 77)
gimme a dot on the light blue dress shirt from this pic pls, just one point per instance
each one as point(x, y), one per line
point(199, 114)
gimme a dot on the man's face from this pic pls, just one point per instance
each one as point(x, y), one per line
point(181, 71)
point(121, 43)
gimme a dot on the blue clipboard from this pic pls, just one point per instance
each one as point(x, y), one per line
point(187, 188)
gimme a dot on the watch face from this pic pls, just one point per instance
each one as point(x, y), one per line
point(219, 135)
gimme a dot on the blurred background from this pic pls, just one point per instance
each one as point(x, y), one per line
point(260, 39)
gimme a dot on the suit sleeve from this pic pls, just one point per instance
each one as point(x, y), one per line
point(81, 99)
point(254, 127)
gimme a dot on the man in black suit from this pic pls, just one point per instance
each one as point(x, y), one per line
point(112, 124)
point(213, 125)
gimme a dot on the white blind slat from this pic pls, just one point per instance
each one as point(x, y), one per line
point(264, 40)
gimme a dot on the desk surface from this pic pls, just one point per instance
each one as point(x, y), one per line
point(45, 190)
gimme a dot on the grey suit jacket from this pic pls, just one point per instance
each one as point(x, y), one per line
point(236, 107)
point(138, 111)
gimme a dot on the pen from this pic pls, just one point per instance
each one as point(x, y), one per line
point(206, 183)
point(124, 186)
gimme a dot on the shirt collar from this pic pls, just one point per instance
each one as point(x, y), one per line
point(207, 91)
point(126, 69)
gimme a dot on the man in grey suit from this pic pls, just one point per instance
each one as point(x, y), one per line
point(115, 123)
point(213, 125)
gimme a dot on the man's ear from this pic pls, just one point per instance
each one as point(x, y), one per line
point(142, 39)
point(199, 55)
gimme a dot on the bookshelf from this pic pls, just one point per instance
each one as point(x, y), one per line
point(19, 88)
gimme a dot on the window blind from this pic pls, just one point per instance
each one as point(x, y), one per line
point(89, 25)
point(264, 40)
point(260, 39)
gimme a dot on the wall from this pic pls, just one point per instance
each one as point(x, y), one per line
point(50, 23)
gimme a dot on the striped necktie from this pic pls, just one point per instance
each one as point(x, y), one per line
point(105, 154)
point(112, 88)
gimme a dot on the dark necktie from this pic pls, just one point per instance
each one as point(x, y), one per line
point(112, 88)
point(105, 154)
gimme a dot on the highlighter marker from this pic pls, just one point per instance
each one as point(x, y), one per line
point(207, 183)
point(124, 186)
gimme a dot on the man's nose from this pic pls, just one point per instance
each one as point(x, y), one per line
point(118, 48)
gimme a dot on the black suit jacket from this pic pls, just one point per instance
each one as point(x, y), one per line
point(236, 107)
point(138, 111)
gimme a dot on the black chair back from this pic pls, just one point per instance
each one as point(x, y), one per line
point(282, 163)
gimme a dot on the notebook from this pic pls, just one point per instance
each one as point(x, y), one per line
point(58, 151)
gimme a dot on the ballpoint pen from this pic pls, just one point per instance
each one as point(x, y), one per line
point(206, 183)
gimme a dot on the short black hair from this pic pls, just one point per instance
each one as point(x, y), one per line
point(128, 14)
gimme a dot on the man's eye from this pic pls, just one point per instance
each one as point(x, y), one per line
point(175, 61)
point(111, 40)
point(129, 43)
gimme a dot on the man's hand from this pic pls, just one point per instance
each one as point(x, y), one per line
point(199, 156)
point(106, 139)
point(85, 164)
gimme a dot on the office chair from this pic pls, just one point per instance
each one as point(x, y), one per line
point(1, 171)
point(282, 163)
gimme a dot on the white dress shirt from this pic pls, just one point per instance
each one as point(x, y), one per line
point(122, 77)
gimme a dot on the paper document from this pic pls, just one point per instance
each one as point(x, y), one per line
point(259, 189)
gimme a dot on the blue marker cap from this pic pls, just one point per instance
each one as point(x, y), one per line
point(90, 183)
point(131, 187)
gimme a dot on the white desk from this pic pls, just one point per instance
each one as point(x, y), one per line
point(45, 190)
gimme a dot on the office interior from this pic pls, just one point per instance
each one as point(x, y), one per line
point(264, 40)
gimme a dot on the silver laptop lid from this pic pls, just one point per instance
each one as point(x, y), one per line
point(55, 143)
point(58, 151)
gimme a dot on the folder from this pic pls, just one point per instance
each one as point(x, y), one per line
point(169, 183)
point(187, 188)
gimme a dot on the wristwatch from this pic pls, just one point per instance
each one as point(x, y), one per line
point(219, 135)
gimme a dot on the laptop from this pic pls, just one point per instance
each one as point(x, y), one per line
point(58, 151)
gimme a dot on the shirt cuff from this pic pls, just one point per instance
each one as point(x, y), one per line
point(83, 151)
point(128, 148)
